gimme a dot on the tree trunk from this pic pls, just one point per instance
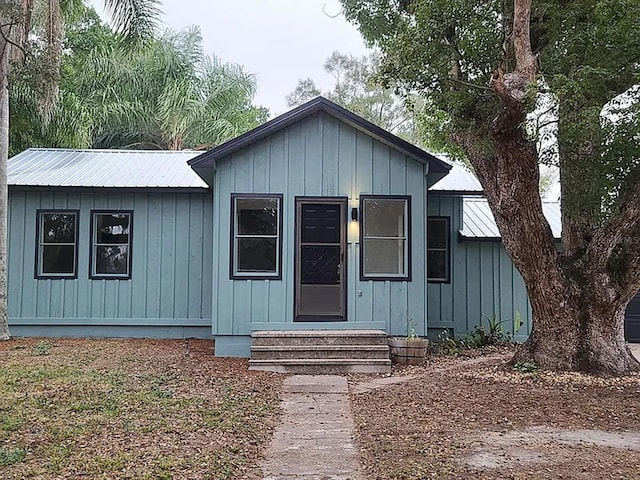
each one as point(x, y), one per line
point(578, 298)
point(577, 331)
point(4, 153)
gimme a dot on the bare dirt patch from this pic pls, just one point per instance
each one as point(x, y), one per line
point(131, 409)
point(470, 418)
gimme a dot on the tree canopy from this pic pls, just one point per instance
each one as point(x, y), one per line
point(484, 68)
point(164, 93)
point(357, 88)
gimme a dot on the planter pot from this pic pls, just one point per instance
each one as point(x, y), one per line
point(408, 351)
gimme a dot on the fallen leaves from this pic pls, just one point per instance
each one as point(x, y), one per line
point(445, 423)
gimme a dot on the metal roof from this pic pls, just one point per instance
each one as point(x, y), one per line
point(209, 158)
point(478, 221)
point(459, 180)
point(51, 167)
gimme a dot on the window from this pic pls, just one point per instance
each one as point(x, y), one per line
point(385, 247)
point(256, 236)
point(111, 244)
point(438, 249)
point(57, 248)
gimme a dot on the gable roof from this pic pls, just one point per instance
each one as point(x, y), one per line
point(478, 221)
point(52, 167)
point(319, 104)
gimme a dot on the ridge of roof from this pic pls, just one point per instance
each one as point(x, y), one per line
point(110, 150)
point(208, 159)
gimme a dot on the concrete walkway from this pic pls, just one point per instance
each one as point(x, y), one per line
point(314, 440)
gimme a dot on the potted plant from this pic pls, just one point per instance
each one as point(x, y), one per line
point(409, 350)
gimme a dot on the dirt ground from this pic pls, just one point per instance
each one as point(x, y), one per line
point(169, 409)
point(470, 418)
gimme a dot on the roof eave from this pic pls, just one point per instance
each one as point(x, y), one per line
point(470, 193)
point(208, 159)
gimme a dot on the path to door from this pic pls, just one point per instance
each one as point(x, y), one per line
point(314, 439)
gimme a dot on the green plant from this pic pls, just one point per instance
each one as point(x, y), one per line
point(41, 348)
point(526, 367)
point(411, 329)
point(517, 322)
point(447, 345)
point(9, 457)
point(494, 334)
point(481, 337)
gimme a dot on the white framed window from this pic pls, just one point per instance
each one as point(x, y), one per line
point(56, 244)
point(110, 256)
point(256, 236)
point(438, 250)
point(385, 237)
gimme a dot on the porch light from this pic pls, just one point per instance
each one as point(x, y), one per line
point(354, 214)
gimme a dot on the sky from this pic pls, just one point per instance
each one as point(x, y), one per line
point(280, 41)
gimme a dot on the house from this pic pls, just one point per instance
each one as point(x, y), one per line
point(317, 220)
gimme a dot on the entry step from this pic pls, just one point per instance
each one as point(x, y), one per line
point(320, 351)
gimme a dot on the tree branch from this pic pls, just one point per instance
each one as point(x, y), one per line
point(8, 40)
point(616, 243)
point(469, 84)
point(526, 61)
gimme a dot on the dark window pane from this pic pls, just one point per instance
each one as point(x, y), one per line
point(320, 265)
point(384, 218)
point(437, 265)
point(112, 228)
point(383, 257)
point(437, 233)
point(257, 216)
point(112, 260)
point(58, 259)
point(320, 223)
point(256, 254)
point(58, 228)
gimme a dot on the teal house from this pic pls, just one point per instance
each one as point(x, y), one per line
point(317, 220)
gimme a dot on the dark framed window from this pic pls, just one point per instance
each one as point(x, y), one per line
point(385, 237)
point(110, 256)
point(256, 236)
point(56, 244)
point(438, 250)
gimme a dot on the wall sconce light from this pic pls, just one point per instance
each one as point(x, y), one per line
point(354, 214)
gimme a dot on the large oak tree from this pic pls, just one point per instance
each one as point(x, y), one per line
point(485, 68)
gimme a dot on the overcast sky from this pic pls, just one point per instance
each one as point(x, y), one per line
point(279, 41)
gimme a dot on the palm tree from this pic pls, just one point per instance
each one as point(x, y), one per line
point(135, 19)
point(168, 95)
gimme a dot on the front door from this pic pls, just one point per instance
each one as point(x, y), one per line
point(321, 239)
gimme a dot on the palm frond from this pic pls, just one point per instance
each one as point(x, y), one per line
point(136, 20)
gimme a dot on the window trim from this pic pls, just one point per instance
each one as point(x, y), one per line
point(233, 275)
point(102, 276)
point(405, 277)
point(38, 259)
point(447, 278)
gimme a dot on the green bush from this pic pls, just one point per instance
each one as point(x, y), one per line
point(9, 457)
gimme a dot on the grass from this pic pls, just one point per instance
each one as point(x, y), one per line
point(131, 409)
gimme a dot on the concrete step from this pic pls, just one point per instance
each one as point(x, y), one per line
point(266, 352)
point(320, 351)
point(319, 337)
point(322, 366)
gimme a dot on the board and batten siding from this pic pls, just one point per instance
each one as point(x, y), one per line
point(168, 294)
point(484, 282)
point(317, 156)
